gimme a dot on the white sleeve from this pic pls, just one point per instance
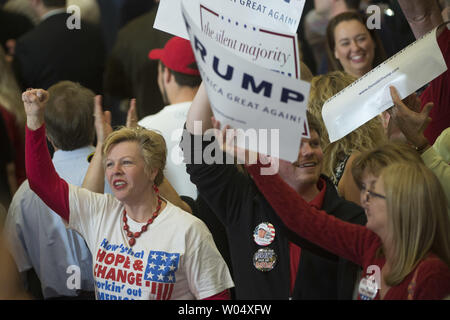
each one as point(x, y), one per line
point(206, 271)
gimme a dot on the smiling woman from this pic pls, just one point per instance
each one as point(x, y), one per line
point(406, 236)
point(352, 47)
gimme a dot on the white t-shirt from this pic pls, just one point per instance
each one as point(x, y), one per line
point(176, 257)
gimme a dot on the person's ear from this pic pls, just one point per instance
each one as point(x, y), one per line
point(167, 75)
point(153, 173)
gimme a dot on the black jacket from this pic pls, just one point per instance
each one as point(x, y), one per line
point(239, 205)
point(52, 52)
point(12, 26)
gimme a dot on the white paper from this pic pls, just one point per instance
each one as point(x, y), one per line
point(246, 96)
point(281, 15)
point(169, 19)
point(272, 50)
point(367, 97)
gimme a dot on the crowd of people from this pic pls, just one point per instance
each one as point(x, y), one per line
point(103, 194)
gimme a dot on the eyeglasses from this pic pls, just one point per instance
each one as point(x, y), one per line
point(371, 194)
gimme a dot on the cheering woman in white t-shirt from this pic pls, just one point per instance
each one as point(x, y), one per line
point(143, 246)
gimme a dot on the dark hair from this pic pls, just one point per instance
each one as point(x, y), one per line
point(333, 63)
point(54, 3)
point(185, 80)
point(353, 4)
point(69, 116)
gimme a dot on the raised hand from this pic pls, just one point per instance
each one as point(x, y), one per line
point(227, 138)
point(132, 120)
point(102, 121)
point(412, 124)
point(34, 101)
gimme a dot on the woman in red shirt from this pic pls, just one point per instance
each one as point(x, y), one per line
point(405, 247)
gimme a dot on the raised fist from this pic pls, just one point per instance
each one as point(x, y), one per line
point(34, 101)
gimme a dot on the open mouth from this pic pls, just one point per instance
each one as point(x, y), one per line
point(119, 184)
point(305, 164)
point(357, 59)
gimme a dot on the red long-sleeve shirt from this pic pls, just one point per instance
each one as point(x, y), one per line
point(438, 92)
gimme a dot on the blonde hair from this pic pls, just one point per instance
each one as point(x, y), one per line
point(418, 218)
point(152, 146)
point(10, 94)
point(366, 137)
point(324, 87)
point(374, 161)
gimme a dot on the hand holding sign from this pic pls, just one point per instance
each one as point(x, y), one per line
point(412, 124)
point(227, 138)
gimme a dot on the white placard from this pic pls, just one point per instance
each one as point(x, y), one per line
point(246, 96)
point(367, 97)
point(281, 15)
point(272, 50)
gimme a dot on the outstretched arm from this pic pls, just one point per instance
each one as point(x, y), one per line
point(41, 174)
point(344, 239)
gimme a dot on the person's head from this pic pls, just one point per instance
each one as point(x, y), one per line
point(351, 46)
point(304, 173)
point(134, 160)
point(177, 69)
point(69, 116)
point(262, 232)
point(367, 166)
point(407, 208)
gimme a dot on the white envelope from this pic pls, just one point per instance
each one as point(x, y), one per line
point(408, 70)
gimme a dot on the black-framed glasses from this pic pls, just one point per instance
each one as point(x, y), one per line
point(371, 194)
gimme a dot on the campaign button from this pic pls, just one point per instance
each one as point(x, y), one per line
point(264, 259)
point(368, 288)
point(264, 234)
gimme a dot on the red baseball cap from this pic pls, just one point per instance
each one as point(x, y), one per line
point(177, 55)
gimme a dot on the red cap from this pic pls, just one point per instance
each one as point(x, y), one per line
point(177, 55)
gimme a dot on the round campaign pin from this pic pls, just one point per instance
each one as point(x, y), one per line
point(264, 259)
point(264, 234)
point(368, 288)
